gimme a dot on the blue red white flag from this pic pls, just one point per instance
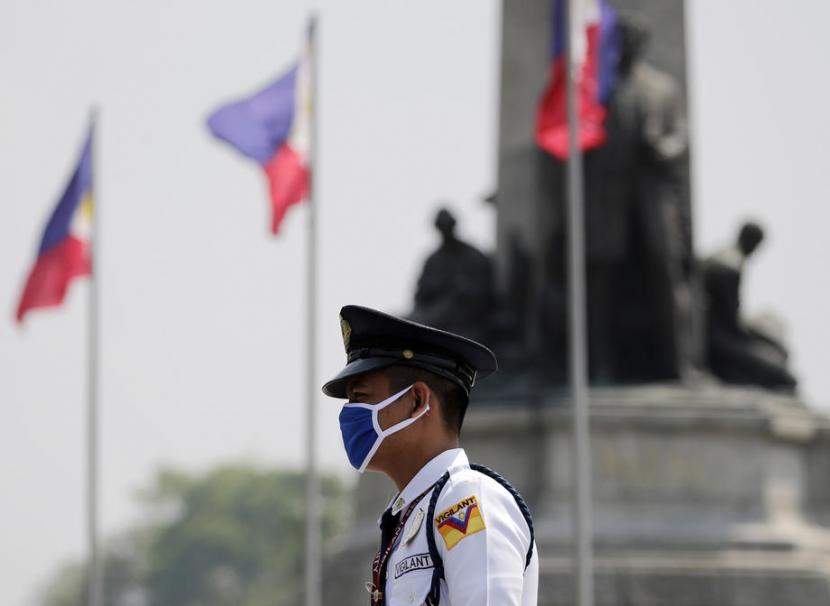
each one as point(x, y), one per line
point(272, 127)
point(595, 56)
point(64, 252)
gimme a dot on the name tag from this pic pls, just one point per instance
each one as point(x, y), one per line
point(414, 562)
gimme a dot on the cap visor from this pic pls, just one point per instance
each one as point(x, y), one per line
point(336, 388)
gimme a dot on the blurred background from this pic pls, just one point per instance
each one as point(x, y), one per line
point(202, 311)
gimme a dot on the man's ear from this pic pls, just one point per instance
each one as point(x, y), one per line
point(422, 397)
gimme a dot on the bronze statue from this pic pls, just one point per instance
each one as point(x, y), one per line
point(638, 229)
point(642, 283)
point(737, 351)
point(455, 291)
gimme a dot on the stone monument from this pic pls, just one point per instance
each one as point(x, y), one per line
point(705, 493)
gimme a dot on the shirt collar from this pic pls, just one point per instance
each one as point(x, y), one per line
point(428, 475)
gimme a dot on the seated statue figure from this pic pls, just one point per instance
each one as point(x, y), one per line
point(738, 352)
point(456, 290)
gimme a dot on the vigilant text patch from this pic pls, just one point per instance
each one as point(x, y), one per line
point(415, 562)
point(459, 521)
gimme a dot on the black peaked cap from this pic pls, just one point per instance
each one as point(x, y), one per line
point(375, 340)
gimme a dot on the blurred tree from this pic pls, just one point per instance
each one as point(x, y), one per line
point(231, 537)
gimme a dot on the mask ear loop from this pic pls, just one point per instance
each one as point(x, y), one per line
point(380, 406)
point(382, 435)
point(403, 424)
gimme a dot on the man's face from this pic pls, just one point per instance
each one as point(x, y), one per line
point(371, 388)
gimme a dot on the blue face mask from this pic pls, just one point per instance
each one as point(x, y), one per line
point(362, 434)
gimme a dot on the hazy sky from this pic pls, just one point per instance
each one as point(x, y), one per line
point(202, 313)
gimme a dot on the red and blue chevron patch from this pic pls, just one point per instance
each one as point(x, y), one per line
point(459, 521)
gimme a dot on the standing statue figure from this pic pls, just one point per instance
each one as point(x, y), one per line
point(638, 228)
point(738, 352)
point(456, 289)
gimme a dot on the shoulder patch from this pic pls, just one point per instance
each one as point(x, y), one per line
point(459, 521)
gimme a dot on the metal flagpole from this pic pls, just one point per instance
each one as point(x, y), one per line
point(313, 572)
point(583, 539)
point(95, 577)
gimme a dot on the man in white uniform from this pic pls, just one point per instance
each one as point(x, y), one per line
point(456, 534)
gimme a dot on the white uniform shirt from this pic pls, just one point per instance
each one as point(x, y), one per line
point(479, 532)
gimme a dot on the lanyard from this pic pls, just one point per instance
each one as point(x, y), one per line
point(381, 561)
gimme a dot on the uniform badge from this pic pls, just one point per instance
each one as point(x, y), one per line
point(415, 527)
point(460, 521)
point(346, 329)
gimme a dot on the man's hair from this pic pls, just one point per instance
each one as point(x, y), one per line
point(453, 398)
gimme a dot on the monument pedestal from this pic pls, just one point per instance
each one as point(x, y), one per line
point(708, 496)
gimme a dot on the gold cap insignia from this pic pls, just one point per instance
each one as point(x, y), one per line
point(347, 333)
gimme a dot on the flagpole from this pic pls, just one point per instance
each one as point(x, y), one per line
point(95, 577)
point(313, 568)
point(578, 368)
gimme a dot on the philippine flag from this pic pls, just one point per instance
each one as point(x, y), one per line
point(64, 252)
point(595, 48)
point(272, 127)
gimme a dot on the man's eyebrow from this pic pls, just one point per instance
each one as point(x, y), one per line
point(356, 396)
point(356, 389)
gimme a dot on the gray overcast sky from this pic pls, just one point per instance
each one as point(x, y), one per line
point(202, 340)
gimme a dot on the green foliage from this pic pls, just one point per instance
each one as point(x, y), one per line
point(66, 587)
point(231, 537)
